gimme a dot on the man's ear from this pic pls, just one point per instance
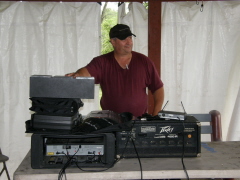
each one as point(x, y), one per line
point(112, 41)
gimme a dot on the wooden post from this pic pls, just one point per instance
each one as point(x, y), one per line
point(154, 40)
point(216, 125)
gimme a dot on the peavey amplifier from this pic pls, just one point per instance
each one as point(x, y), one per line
point(160, 138)
point(84, 151)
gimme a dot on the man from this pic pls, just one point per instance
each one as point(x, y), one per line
point(124, 76)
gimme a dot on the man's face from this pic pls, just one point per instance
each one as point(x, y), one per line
point(122, 46)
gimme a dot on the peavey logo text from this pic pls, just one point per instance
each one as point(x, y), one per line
point(166, 129)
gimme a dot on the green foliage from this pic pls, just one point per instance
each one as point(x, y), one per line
point(109, 19)
point(145, 4)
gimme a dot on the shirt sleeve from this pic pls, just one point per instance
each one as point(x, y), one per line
point(94, 68)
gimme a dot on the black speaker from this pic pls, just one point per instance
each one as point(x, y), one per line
point(84, 151)
point(61, 87)
point(160, 138)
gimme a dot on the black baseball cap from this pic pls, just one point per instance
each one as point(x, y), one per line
point(120, 31)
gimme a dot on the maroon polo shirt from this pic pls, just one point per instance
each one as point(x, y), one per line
point(124, 90)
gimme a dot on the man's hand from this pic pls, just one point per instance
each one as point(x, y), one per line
point(70, 74)
point(83, 72)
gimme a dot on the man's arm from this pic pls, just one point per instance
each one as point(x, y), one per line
point(82, 72)
point(158, 97)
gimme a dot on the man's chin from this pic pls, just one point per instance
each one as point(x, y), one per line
point(128, 50)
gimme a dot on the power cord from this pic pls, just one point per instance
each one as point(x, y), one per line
point(63, 170)
point(97, 170)
point(183, 152)
point(129, 136)
point(140, 164)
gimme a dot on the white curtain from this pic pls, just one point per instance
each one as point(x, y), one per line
point(47, 38)
point(200, 57)
point(234, 130)
point(136, 17)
